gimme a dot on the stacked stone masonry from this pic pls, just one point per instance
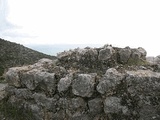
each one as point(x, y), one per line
point(87, 84)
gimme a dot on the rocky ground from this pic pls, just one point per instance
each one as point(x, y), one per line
point(105, 83)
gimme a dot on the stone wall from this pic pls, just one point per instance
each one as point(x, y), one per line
point(100, 59)
point(71, 88)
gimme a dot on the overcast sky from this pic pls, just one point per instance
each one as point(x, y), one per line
point(134, 23)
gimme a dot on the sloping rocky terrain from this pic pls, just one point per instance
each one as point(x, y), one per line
point(12, 54)
point(105, 83)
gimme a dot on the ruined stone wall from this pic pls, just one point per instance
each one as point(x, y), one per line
point(100, 59)
point(62, 90)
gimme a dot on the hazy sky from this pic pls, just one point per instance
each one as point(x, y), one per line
point(122, 23)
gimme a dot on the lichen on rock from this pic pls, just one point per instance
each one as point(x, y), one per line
point(106, 83)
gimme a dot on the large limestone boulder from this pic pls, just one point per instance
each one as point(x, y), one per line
point(113, 105)
point(106, 53)
point(22, 93)
point(95, 106)
point(84, 54)
point(155, 62)
point(143, 82)
point(144, 89)
point(71, 107)
point(43, 101)
point(3, 93)
point(65, 83)
point(83, 85)
point(109, 81)
point(151, 60)
point(157, 59)
point(12, 75)
point(125, 54)
point(42, 80)
point(143, 52)
point(139, 53)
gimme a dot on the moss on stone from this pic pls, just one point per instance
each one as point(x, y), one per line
point(137, 62)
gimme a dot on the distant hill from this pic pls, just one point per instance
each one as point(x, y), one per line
point(53, 49)
point(12, 54)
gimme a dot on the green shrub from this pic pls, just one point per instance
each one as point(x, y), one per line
point(1, 70)
point(12, 112)
point(137, 62)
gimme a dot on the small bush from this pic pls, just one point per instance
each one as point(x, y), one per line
point(137, 62)
point(1, 70)
point(12, 112)
point(2, 79)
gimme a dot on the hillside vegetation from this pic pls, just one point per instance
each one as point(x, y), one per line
point(12, 54)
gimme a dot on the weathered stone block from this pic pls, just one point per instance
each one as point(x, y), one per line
point(125, 54)
point(113, 105)
point(35, 78)
point(95, 106)
point(106, 53)
point(65, 83)
point(83, 85)
point(110, 80)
